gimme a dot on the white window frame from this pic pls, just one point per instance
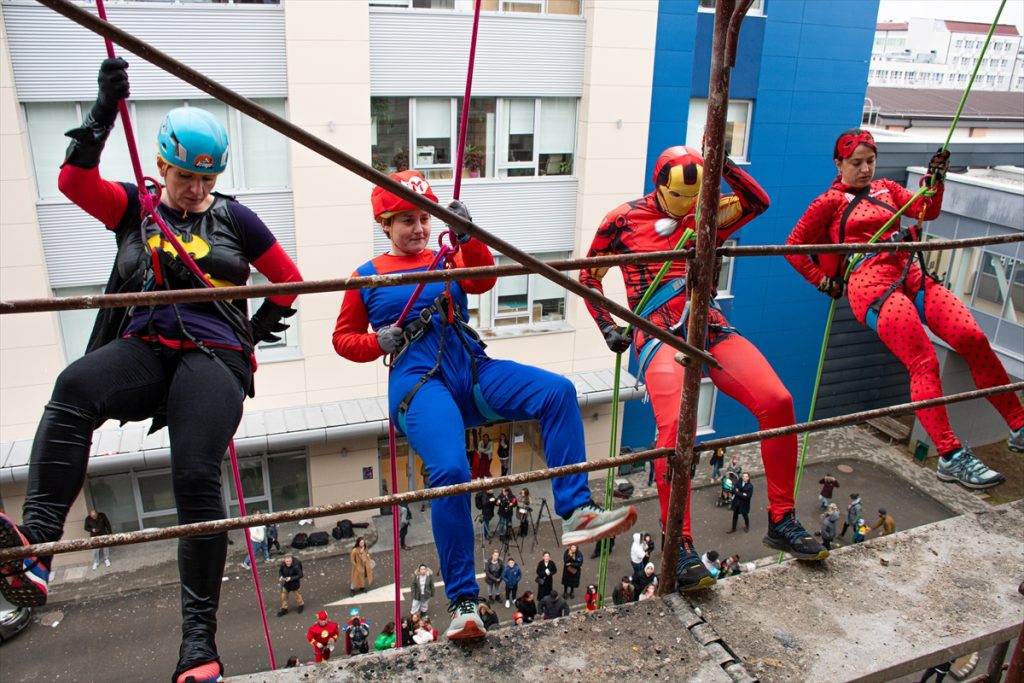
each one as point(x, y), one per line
point(501, 162)
point(694, 137)
point(286, 349)
point(487, 304)
point(452, 136)
point(729, 269)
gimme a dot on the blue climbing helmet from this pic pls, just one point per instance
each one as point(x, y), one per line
point(193, 140)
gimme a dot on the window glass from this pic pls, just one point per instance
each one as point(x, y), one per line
point(737, 120)
point(548, 300)
point(433, 4)
point(155, 493)
point(997, 293)
point(289, 481)
point(433, 132)
point(557, 135)
point(705, 404)
point(76, 326)
point(390, 133)
point(518, 128)
point(571, 7)
point(264, 151)
point(251, 473)
point(112, 495)
point(529, 6)
point(479, 157)
point(512, 301)
point(47, 122)
point(725, 274)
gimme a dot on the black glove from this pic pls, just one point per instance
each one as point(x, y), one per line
point(616, 338)
point(390, 339)
point(89, 138)
point(267, 321)
point(831, 286)
point(939, 166)
point(459, 209)
point(113, 87)
point(173, 270)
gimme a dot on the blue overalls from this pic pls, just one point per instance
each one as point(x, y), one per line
point(464, 389)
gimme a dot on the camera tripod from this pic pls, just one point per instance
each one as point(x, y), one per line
point(542, 509)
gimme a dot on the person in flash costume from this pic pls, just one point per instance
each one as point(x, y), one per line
point(655, 222)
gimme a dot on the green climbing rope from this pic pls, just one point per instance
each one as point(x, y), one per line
point(925, 190)
point(609, 483)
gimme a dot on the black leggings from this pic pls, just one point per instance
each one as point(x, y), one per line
point(129, 379)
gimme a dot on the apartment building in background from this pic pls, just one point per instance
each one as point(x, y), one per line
point(936, 53)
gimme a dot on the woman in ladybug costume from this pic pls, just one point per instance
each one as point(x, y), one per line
point(891, 294)
point(188, 366)
point(442, 383)
point(655, 222)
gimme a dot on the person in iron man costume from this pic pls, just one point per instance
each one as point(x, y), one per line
point(655, 222)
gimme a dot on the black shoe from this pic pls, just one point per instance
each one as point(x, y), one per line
point(300, 608)
point(691, 574)
point(790, 537)
point(282, 612)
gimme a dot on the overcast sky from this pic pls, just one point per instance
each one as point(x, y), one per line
point(983, 11)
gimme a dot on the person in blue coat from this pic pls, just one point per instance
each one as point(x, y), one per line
point(511, 575)
point(442, 383)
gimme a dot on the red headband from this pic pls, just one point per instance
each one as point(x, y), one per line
point(849, 142)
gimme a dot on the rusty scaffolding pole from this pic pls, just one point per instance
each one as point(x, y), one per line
point(683, 462)
point(179, 296)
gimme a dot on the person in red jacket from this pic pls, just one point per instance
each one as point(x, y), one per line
point(442, 382)
point(891, 294)
point(323, 636)
point(189, 366)
point(655, 222)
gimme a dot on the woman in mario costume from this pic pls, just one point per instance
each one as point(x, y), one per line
point(655, 222)
point(188, 366)
point(442, 383)
point(891, 294)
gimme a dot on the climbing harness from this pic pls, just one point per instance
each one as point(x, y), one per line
point(924, 189)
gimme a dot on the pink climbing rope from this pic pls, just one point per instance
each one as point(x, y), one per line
point(445, 252)
point(149, 207)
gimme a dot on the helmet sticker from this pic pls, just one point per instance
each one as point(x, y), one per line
point(203, 161)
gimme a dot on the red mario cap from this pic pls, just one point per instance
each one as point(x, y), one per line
point(386, 204)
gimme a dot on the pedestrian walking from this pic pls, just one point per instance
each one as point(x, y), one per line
point(323, 635)
point(97, 524)
point(404, 519)
point(362, 567)
point(828, 485)
point(546, 570)
point(504, 454)
point(422, 590)
point(829, 519)
point(511, 575)
point(272, 541)
point(572, 568)
point(854, 509)
point(741, 502)
point(716, 462)
point(290, 577)
point(885, 522)
point(258, 538)
point(492, 575)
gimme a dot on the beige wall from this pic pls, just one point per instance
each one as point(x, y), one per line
point(30, 353)
point(612, 139)
point(336, 475)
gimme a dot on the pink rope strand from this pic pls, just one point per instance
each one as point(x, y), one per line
point(149, 207)
point(464, 124)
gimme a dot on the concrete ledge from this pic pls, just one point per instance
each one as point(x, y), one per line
point(876, 611)
point(642, 641)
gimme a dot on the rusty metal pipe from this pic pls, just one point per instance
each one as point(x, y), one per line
point(341, 284)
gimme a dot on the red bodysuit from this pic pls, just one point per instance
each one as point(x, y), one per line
point(918, 300)
point(641, 226)
point(323, 638)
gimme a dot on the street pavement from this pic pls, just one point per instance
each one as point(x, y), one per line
point(133, 635)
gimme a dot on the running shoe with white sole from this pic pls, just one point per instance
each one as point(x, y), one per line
point(966, 469)
point(591, 522)
point(466, 622)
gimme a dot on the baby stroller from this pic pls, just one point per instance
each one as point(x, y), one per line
point(729, 482)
